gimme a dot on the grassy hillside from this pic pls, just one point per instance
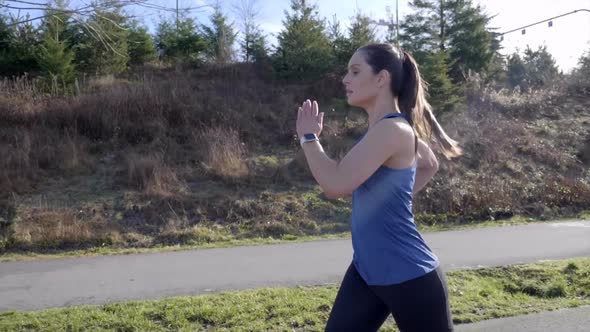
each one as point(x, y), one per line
point(188, 157)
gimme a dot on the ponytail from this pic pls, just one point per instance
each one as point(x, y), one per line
point(412, 102)
point(409, 87)
point(410, 90)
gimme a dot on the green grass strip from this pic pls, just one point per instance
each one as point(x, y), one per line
point(475, 295)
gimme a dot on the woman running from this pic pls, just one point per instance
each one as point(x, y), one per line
point(393, 270)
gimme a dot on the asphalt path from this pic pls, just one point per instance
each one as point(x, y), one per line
point(33, 285)
point(565, 320)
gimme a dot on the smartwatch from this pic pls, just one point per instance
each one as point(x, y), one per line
point(308, 138)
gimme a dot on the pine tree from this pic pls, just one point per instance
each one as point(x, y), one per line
point(21, 44)
point(444, 95)
point(455, 25)
point(422, 32)
point(220, 38)
point(141, 48)
point(472, 44)
point(253, 44)
point(424, 35)
point(180, 41)
point(303, 51)
point(391, 36)
point(361, 32)
point(497, 70)
point(6, 39)
point(257, 46)
point(101, 46)
point(5, 33)
point(516, 71)
point(55, 58)
point(584, 65)
point(340, 45)
point(540, 66)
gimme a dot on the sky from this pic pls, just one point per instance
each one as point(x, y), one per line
point(566, 40)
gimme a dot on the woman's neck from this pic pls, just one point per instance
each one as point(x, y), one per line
point(381, 107)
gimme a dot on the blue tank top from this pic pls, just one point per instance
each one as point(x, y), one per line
point(388, 249)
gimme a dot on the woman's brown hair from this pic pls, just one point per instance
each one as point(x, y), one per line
point(408, 87)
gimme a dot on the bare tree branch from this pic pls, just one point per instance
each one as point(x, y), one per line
point(20, 5)
point(87, 10)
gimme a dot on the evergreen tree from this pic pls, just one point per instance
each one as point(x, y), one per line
point(516, 70)
point(540, 66)
point(6, 34)
point(424, 35)
point(423, 32)
point(101, 46)
point(584, 65)
point(391, 36)
point(253, 45)
point(361, 32)
point(444, 95)
point(141, 48)
point(220, 38)
point(6, 40)
point(455, 25)
point(303, 51)
point(21, 44)
point(340, 45)
point(451, 40)
point(180, 41)
point(472, 44)
point(497, 71)
point(55, 58)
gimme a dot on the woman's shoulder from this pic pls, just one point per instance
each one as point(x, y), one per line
point(399, 125)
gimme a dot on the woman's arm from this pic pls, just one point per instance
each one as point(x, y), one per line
point(426, 167)
point(339, 179)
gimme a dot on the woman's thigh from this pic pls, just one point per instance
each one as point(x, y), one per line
point(420, 304)
point(357, 307)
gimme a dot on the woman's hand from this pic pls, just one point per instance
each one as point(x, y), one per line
point(309, 121)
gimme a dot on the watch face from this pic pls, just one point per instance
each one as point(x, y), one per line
point(309, 136)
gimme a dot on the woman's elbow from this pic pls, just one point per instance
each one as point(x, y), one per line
point(330, 195)
point(335, 194)
point(435, 165)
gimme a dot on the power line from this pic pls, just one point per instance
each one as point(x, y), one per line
point(543, 21)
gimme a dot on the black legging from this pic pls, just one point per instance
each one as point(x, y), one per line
point(417, 305)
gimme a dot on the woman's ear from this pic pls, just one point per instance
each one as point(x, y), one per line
point(383, 78)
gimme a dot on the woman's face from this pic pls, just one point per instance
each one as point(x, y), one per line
point(360, 82)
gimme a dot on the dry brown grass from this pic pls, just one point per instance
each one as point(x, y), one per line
point(153, 177)
point(159, 113)
point(59, 228)
point(30, 154)
point(521, 157)
point(224, 152)
point(19, 88)
point(197, 155)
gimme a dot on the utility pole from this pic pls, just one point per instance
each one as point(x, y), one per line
point(391, 26)
point(176, 16)
point(396, 23)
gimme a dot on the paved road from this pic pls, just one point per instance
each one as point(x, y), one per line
point(566, 320)
point(96, 280)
